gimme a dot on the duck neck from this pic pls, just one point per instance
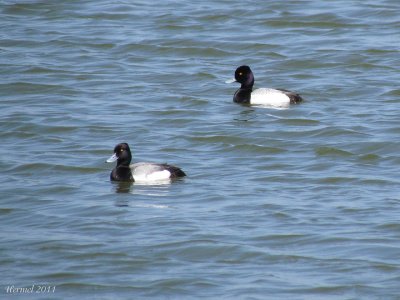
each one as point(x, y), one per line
point(122, 173)
point(243, 94)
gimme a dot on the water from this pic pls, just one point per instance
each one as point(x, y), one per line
point(300, 203)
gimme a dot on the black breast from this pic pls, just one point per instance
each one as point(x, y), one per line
point(242, 96)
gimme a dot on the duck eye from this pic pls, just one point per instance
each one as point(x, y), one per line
point(122, 150)
point(240, 74)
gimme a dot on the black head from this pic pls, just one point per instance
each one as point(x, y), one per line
point(244, 76)
point(122, 153)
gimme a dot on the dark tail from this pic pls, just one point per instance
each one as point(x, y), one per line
point(294, 97)
point(175, 171)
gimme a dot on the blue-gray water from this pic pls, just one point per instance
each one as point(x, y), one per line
point(301, 203)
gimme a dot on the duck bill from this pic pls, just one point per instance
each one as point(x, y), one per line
point(113, 158)
point(231, 80)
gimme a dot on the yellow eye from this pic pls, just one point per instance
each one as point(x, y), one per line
point(240, 73)
point(122, 150)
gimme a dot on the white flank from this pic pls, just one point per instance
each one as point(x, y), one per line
point(269, 97)
point(145, 172)
point(160, 175)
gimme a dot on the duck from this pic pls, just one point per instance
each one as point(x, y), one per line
point(262, 96)
point(142, 171)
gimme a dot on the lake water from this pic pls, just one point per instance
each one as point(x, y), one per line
point(298, 203)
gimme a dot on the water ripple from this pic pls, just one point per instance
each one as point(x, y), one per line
point(270, 194)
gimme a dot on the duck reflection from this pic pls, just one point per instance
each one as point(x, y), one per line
point(123, 187)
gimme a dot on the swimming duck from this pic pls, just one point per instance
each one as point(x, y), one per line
point(261, 96)
point(142, 171)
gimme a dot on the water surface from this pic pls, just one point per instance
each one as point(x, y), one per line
point(301, 203)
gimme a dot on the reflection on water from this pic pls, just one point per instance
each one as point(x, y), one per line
point(157, 188)
point(154, 189)
point(123, 187)
point(245, 115)
point(313, 189)
point(127, 187)
point(121, 203)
